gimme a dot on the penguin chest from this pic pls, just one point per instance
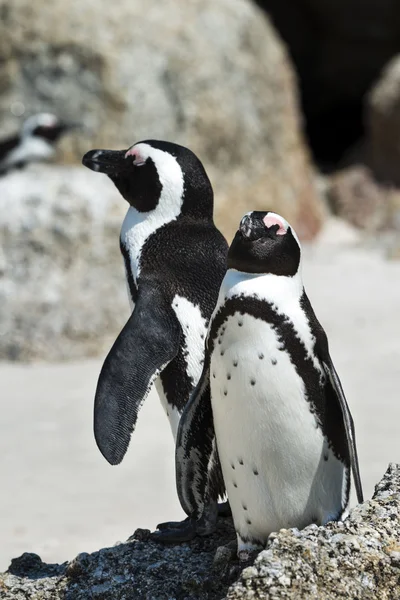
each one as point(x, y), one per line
point(270, 446)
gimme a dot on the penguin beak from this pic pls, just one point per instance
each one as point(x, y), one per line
point(245, 226)
point(254, 226)
point(251, 228)
point(110, 162)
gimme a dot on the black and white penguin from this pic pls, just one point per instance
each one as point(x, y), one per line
point(35, 142)
point(175, 260)
point(269, 402)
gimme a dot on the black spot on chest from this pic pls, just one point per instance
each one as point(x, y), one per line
point(319, 394)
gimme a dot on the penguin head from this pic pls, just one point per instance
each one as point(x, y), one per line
point(153, 174)
point(46, 126)
point(265, 243)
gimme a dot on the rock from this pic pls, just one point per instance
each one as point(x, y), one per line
point(354, 195)
point(62, 290)
point(357, 558)
point(211, 75)
point(383, 124)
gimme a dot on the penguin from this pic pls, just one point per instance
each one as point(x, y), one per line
point(268, 419)
point(35, 142)
point(175, 260)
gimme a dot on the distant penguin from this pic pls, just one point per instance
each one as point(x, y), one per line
point(35, 142)
point(175, 260)
point(269, 405)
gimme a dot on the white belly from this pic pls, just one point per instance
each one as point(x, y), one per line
point(172, 413)
point(271, 451)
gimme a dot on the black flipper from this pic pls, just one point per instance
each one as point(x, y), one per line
point(147, 343)
point(348, 423)
point(333, 381)
point(199, 478)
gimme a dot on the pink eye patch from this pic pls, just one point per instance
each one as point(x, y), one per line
point(134, 153)
point(270, 220)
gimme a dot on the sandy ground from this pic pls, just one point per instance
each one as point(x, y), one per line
point(58, 495)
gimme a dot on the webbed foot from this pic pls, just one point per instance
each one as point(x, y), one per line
point(175, 532)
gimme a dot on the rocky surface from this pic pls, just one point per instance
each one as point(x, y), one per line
point(211, 75)
point(358, 558)
point(62, 290)
point(355, 195)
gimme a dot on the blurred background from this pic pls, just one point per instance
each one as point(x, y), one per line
point(293, 106)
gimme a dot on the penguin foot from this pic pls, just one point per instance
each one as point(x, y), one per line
point(175, 532)
point(171, 524)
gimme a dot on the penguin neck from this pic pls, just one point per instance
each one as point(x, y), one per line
point(198, 201)
point(276, 289)
point(138, 226)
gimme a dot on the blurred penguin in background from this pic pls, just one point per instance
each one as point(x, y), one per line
point(35, 142)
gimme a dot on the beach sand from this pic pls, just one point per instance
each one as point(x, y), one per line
point(60, 497)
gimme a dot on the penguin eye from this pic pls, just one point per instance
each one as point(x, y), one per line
point(138, 161)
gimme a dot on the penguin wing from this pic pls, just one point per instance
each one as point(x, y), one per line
point(147, 343)
point(198, 471)
point(322, 351)
point(347, 420)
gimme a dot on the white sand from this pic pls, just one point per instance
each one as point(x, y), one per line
point(59, 496)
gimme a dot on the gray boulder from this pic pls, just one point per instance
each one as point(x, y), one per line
point(62, 290)
point(358, 558)
point(211, 75)
point(356, 196)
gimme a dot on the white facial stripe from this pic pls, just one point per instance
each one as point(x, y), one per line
point(137, 226)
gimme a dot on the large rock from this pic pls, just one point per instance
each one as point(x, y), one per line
point(358, 558)
point(211, 75)
point(356, 196)
point(62, 290)
point(383, 124)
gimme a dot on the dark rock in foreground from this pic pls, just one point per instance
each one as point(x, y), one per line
point(358, 558)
